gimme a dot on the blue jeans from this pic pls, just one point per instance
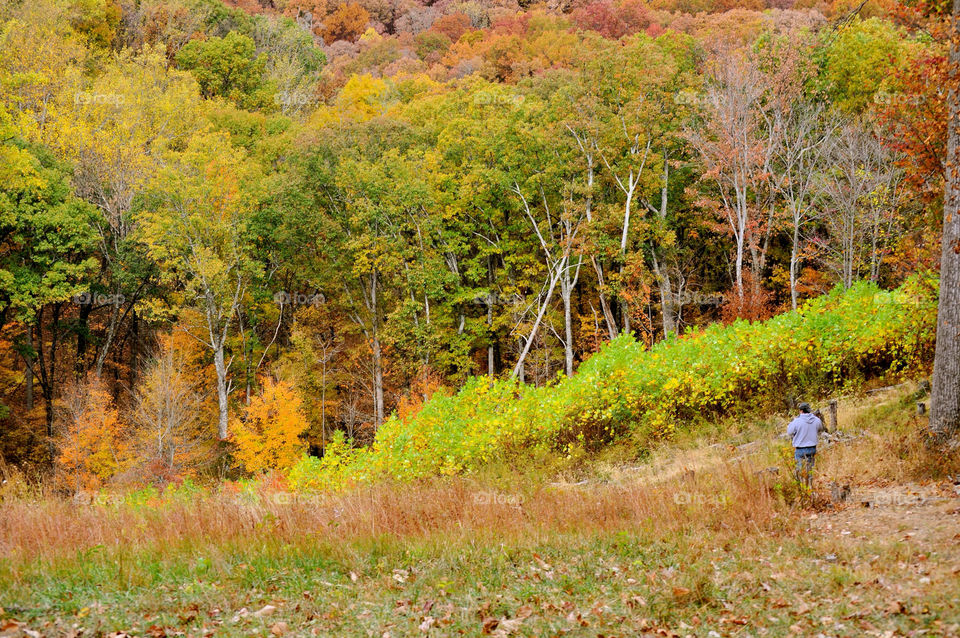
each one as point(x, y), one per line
point(805, 457)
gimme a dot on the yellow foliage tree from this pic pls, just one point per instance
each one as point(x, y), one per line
point(93, 447)
point(269, 435)
point(362, 99)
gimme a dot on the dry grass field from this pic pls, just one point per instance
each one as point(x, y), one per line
point(704, 539)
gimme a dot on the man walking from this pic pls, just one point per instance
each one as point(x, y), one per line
point(805, 429)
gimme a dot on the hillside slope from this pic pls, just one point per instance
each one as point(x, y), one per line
point(831, 343)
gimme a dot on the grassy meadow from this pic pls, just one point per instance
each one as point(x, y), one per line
point(703, 538)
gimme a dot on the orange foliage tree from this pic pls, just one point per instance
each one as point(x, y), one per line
point(453, 25)
point(93, 445)
point(268, 437)
point(346, 23)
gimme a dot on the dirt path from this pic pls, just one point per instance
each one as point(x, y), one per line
point(901, 543)
point(913, 513)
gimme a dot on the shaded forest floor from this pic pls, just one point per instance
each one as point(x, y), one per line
point(704, 538)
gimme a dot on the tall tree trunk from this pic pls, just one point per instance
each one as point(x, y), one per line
point(111, 333)
point(567, 285)
point(28, 371)
point(222, 389)
point(624, 305)
point(491, 362)
point(567, 335)
point(741, 236)
point(218, 328)
point(48, 364)
point(668, 310)
point(588, 148)
point(945, 395)
point(849, 256)
point(377, 382)
point(376, 351)
point(794, 258)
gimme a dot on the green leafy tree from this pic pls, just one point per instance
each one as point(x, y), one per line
point(47, 240)
point(863, 61)
point(228, 67)
point(195, 225)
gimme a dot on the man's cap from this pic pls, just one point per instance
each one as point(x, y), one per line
point(804, 407)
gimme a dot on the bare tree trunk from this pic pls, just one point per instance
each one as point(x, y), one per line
point(668, 310)
point(848, 258)
point(518, 368)
point(218, 327)
point(794, 258)
point(223, 389)
point(629, 190)
point(323, 401)
point(376, 350)
point(567, 285)
point(567, 335)
point(608, 316)
point(491, 361)
point(945, 394)
point(557, 269)
point(742, 216)
point(520, 372)
point(377, 382)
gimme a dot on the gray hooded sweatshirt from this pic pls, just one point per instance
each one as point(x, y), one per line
point(804, 430)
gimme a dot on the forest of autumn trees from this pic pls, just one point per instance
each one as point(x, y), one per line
point(231, 230)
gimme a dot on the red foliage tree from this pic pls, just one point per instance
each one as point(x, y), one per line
point(612, 21)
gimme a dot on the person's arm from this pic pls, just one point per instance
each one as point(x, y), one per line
point(822, 427)
point(792, 427)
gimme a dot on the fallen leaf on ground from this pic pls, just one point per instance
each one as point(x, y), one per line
point(266, 611)
point(507, 627)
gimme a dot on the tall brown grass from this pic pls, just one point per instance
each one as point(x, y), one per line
point(734, 495)
point(732, 498)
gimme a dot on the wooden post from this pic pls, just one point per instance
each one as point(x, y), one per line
point(833, 415)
